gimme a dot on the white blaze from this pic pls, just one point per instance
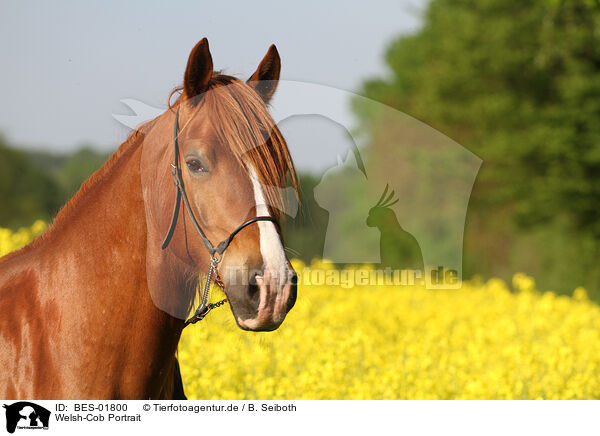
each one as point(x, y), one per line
point(271, 248)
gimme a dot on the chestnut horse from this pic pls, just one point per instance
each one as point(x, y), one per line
point(94, 308)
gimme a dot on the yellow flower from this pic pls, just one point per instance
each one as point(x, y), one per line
point(352, 339)
point(403, 342)
point(11, 241)
point(523, 283)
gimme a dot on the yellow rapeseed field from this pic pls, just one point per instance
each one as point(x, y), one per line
point(10, 241)
point(382, 342)
point(486, 340)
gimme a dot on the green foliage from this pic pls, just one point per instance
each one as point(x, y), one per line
point(26, 191)
point(517, 83)
point(70, 170)
point(34, 185)
point(304, 234)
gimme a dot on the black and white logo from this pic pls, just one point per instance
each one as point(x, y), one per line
point(26, 415)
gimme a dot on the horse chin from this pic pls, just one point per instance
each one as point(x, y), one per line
point(256, 325)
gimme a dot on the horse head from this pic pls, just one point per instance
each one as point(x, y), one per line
point(234, 164)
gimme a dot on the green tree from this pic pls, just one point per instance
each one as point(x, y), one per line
point(36, 184)
point(70, 170)
point(517, 83)
point(304, 234)
point(26, 192)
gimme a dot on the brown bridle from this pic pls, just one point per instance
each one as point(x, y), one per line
point(215, 252)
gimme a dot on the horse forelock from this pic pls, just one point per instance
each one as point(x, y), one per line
point(241, 120)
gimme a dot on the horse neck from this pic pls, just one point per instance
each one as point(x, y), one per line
point(95, 257)
point(104, 221)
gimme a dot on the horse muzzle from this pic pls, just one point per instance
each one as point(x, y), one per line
point(270, 299)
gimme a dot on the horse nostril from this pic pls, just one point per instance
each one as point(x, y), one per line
point(293, 292)
point(254, 290)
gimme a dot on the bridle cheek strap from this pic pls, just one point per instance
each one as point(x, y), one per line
point(181, 195)
point(215, 251)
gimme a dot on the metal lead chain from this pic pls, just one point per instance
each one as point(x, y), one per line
point(204, 308)
point(212, 269)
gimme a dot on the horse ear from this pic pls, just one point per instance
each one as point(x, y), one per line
point(198, 71)
point(264, 80)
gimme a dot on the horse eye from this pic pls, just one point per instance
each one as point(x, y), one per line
point(195, 166)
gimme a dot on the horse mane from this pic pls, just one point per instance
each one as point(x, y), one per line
point(242, 120)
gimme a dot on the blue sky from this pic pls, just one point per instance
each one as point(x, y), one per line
point(67, 64)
